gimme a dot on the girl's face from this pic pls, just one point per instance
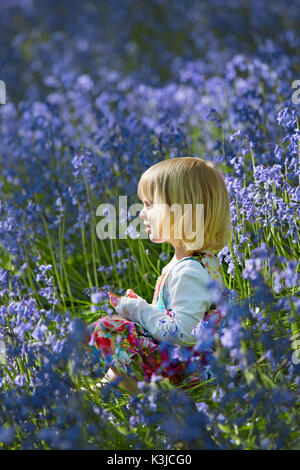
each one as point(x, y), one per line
point(148, 215)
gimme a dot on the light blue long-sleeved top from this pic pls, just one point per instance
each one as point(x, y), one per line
point(186, 296)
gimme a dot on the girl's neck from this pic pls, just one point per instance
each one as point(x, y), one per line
point(180, 253)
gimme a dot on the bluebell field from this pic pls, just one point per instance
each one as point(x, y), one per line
point(98, 91)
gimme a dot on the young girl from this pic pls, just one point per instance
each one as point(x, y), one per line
point(181, 299)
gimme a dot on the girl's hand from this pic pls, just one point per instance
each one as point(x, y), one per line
point(132, 294)
point(114, 299)
point(123, 306)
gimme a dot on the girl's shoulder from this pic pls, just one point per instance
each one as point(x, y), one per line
point(211, 263)
point(185, 265)
point(169, 265)
point(206, 265)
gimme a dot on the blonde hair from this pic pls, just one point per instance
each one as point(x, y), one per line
point(189, 180)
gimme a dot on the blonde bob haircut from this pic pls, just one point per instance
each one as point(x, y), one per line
point(191, 181)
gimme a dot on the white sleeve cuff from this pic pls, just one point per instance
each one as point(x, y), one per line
point(160, 326)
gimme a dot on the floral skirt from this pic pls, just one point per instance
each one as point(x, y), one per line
point(125, 343)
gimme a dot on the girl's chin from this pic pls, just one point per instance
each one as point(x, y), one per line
point(155, 240)
point(152, 236)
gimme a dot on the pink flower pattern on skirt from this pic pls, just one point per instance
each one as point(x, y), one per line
point(126, 342)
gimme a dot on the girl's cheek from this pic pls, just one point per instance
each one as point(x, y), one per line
point(153, 221)
point(150, 216)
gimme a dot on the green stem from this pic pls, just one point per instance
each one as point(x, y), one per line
point(85, 256)
point(94, 219)
point(31, 276)
point(63, 270)
point(94, 254)
point(54, 262)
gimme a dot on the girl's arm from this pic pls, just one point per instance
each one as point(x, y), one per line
point(189, 300)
